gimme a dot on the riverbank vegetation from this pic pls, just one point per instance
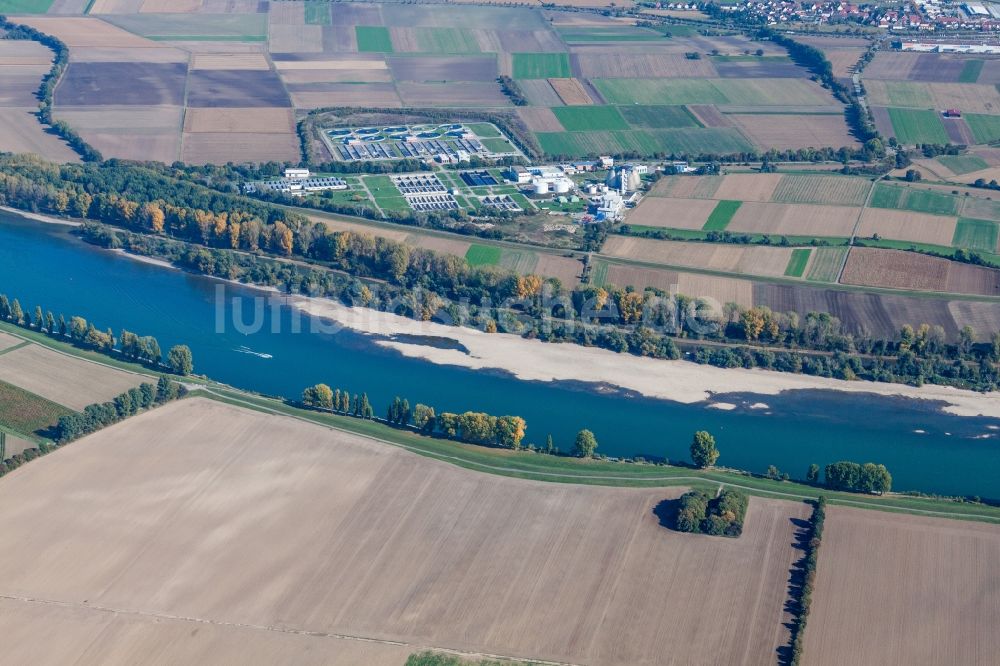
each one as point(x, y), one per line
point(131, 346)
point(232, 237)
point(722, 515)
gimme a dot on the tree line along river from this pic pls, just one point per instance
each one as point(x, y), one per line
point(925, 449)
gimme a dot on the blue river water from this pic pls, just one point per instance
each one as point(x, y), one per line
point(924, 448)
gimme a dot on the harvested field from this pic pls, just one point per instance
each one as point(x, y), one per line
point(790, 132)
point(539, 119)
point(20, 132)
point(570, 91)
point(539, 92)
point(958, 131)
point(19, 85)
point(80, 31)
point(710, 116)
point(890, 65)
point(295, 39)
point(129, 132)
point(748, 186)
point(567, 270)
point(169, 6)
point(883, 121)
point(122, 83)
point(752, 260)
point(982, 317)
point(63, 379)
point(452, 94)
point(238, 89)
point(159, 54)
point(339, 39)
point(672, 213)
point(442, 244)
point(295, 77)
point(641, 66)
point(687, 187)
point(442, 69)
point(68, 7)
point(222, 147)
point(255, 61)
point(372, 554)
point(7, 341)
point(903, 225)
point(347, 94)
point(260, 120)
point(780, 219)
point(24, 53)
point(218, 27)
point(898, 269)
point(845, 191)
point(905, 590)
point(643, 142)
point(116, 6)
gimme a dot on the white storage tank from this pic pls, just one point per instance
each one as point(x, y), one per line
point(562, 186)
point(541, 187)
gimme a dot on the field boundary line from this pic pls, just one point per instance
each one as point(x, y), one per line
point(598, 477)
point(20, 345)
point(261, 627)
point(854, 232)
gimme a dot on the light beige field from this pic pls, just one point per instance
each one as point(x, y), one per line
point(19, 52)
point(21, 132)
point(67, 380)
point(909, 226)
point(136, 54)
point(567, 270)
point(116, 6)
point(895, 589)
point(263, 120)
point(341, 63)
point(716, 290)
point(571, 92)
point(170, 6)
point(7, 341)
point(334, 224)
point(85, 31)
point(226, 517)
point(748, 186)
point(15, 445)
point(898, 269)
point(672, 213)
point(687, 187)
point(439, 244)
point(239, 147)
point(375, 95)
point(244, 61)
point(795, 219)
point(969, 97)
point(790, 132)
point(130, 132)
point(750, 260)
point(295, 38)
point(292, 76)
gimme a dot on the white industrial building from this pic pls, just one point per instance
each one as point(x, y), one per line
point(296, 185)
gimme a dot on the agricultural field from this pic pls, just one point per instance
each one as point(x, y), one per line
point(369, 554)
point(27, 413)
point(541, 66)
point(904, 589)
point(739, 259)
point(62, 379)
point(896, 269)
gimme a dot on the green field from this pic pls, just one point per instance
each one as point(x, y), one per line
point(25, 6)
point(722, 215)
point(484, 130)
point(645, 142)
point(483, 255)
point(446, 40)
point(373, 39)
point(910, 94)
point(519, 261)
point(970, 72)
point(797, 262)
point(826, 264)
point(386, 195)
point(318, 12)
point(739, 92)
point(976, 235)
point(919, 201)
point(659, 117)
point(498, 145)
point(573, 34)
point(960, 164)
point(912, 126)
point(590, 118)
point(542, 66)
point(26, 412)
point(985, 129)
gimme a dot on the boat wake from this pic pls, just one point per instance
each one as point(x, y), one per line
point(247, 350)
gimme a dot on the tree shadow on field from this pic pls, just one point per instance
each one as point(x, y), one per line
point(666, 513)
point(796, 582)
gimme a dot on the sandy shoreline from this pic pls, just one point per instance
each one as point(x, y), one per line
point(35, 217)
point(679, 381)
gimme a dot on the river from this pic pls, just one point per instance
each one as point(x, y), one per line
point(924, 448)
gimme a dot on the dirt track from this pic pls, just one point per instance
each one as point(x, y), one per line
point(228, 517)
